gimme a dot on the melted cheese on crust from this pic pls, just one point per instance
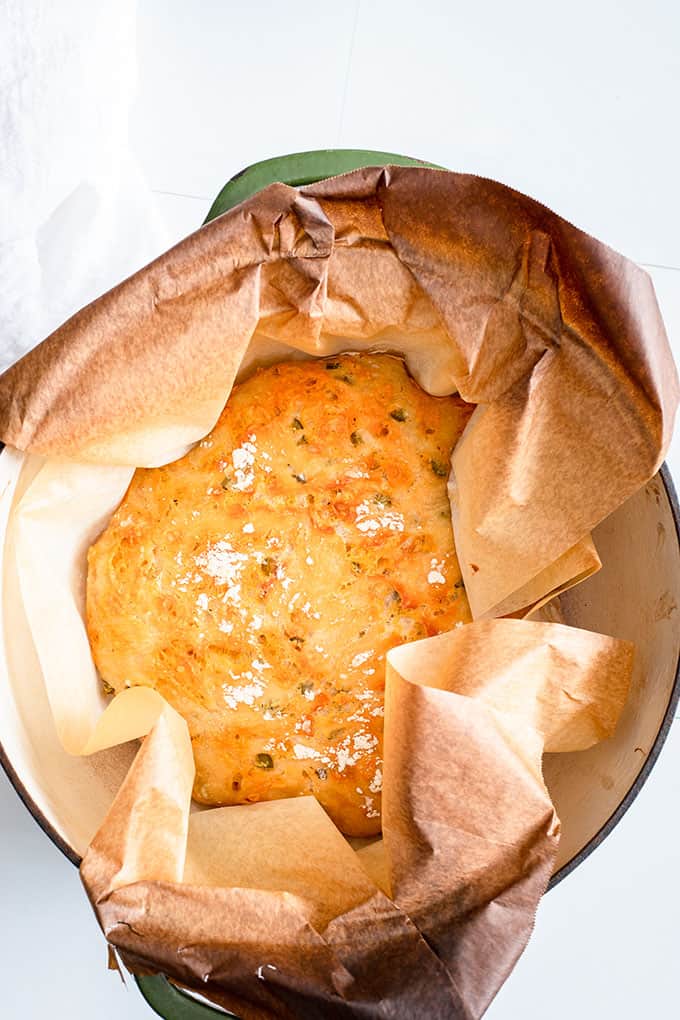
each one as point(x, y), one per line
point(259, 581)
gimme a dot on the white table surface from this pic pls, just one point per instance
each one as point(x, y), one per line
point(576, 105)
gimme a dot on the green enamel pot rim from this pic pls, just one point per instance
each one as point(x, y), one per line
point(298, 169)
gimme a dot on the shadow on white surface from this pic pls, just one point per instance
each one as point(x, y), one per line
point(53, 958)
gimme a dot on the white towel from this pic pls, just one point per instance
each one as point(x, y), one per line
point(76, 215)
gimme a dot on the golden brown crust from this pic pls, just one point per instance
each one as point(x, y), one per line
point(259, 581)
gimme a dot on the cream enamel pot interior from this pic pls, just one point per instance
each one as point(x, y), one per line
point(636, 595)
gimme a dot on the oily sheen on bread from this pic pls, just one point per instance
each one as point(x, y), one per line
point(258, 582)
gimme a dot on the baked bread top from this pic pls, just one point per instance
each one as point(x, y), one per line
point(258, 582)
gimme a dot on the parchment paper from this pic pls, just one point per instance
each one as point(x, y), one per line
point(267, 908)
point(276, 916)
point(556, 337)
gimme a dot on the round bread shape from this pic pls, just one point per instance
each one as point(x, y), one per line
point(258, 582)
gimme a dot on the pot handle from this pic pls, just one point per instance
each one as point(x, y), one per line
point(300, 168)
point(172, 1003)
